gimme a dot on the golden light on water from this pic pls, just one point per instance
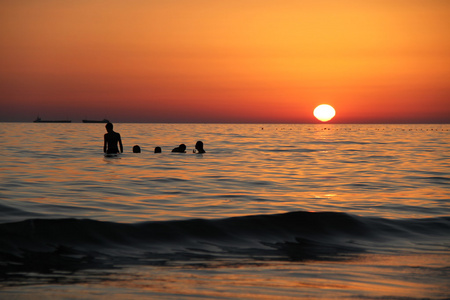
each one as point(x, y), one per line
point(324, 112)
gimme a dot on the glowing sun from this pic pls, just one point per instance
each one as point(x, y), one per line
point(324, 112)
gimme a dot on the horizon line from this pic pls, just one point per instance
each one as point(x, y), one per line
point(268, 123)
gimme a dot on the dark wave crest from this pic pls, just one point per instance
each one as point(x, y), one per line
point(44, 245)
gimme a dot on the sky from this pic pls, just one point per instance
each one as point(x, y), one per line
point(234, 61)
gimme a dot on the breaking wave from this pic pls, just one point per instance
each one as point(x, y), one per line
point(44, 245)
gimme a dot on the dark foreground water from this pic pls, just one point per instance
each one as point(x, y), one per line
point(270, 211)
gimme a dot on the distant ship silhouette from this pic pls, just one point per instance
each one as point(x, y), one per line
point(39, 120)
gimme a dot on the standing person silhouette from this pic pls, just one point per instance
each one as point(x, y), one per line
point(112, 138)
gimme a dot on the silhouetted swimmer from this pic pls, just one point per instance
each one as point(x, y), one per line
point(199, 148)
point(180, 149)
point(136, 149)
point(112, 138)
point(158, 150)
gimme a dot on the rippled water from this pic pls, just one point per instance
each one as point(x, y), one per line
point(58, 170)
point(395, 172)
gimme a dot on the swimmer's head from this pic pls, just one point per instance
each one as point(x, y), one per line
point(199, 145)
point(136, 149)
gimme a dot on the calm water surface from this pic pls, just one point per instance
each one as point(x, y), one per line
point(375, 174)
point(58, 170)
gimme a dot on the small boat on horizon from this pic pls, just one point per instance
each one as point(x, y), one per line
point(96, 121)
point(39, 120)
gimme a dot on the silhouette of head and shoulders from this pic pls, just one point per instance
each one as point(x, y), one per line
point(180, 149)
point(199, 148)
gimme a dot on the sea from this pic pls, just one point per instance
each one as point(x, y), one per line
point(270, 211)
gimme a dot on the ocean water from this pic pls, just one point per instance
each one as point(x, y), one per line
point(270, 211)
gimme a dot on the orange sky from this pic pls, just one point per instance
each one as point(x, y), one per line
point(264, 61)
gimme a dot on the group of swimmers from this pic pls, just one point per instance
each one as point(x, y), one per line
point(113, 144)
